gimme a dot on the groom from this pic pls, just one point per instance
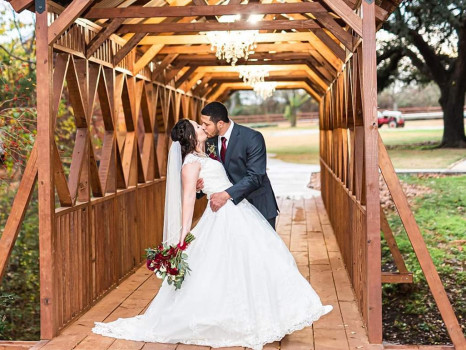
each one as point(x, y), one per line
point(243, 154)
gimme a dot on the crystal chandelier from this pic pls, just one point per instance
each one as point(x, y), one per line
point(253, 75)
point(265, 89)
point(233, 44)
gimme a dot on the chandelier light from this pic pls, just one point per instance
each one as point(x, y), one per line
point(233, 44)
point(252, 75)
point(265, 89)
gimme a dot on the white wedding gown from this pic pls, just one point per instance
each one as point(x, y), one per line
point(244, 288)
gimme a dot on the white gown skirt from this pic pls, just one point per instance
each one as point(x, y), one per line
point(244, 289)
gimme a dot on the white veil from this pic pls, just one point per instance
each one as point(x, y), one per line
point(172, 217)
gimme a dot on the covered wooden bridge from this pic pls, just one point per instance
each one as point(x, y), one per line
point(136, 67)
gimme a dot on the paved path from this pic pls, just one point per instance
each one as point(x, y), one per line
point(459, 166)
point(290, 180)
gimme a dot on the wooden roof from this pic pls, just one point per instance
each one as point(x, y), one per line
point(303, 44)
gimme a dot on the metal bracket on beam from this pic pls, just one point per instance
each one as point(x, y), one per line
point(39, 6)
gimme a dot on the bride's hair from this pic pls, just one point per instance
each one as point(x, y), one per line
point(184, 133)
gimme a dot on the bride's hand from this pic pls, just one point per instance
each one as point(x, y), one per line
point(182, 238)
point(199, 184)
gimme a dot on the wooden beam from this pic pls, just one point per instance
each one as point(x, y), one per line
point(258, 56)
point(347, 14)
point(373, 291)
point(237, 79)
point(333, 55)
point(146, 58)
point(205, 92)
point(333, 27)
point(164, 64)
point(289, 65)
point(279, 74)
point(202, 11)
point(131, 44)
point(204, 82)
point(20, 5)
point(188, 86)
point(202, 39)
point(103, 35)
point(397, 277)
point(171, 74)
point(18, 210)
point(204, 3)
point(391, 242)
point(242, 62)
point(185, 76)
point(326, 79)
point(321, 70)
point(326, 51)
point(420, 248)
point(66, 18)
point(281, 85)
point(215, 26)
point(45, 134)
point(207, 49)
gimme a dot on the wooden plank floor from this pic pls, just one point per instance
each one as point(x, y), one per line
point(303, 225)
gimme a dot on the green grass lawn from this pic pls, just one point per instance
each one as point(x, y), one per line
point(441, 216)
point(408, 148)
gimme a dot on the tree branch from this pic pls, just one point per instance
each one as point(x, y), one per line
point(433, 62)
point(388, 72)
point(418, 63)
point(14, 56)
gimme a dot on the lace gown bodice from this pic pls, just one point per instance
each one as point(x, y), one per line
point(212, 172)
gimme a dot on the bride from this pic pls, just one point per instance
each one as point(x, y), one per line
point(244, 288)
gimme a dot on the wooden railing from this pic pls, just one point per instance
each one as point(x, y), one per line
point(109, 207)
point(351, 154)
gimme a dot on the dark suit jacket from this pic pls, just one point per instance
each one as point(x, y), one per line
point(245, 165)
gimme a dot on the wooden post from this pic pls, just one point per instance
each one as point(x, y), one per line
point(369, 83)
point(425, 261)
point(45, 177)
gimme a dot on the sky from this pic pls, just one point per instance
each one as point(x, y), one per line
point(24, 17)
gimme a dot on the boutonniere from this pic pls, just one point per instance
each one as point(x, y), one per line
point(212, 153)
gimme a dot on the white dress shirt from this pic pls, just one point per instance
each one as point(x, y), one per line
point(227, 135)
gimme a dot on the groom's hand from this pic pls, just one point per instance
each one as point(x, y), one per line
point(199, 184)
point(218, 200)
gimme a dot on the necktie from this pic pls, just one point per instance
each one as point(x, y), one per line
point(223, 151)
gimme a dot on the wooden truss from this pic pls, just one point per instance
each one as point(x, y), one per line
point(143, 65)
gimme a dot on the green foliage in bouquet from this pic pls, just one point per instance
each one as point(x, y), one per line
point(170, 262)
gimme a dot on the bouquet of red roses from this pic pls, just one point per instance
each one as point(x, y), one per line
point(170, 261)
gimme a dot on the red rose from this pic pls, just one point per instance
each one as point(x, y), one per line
point(172, 271)
point(148, 264)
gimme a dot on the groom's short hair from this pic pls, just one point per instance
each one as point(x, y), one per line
point(216, 111)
